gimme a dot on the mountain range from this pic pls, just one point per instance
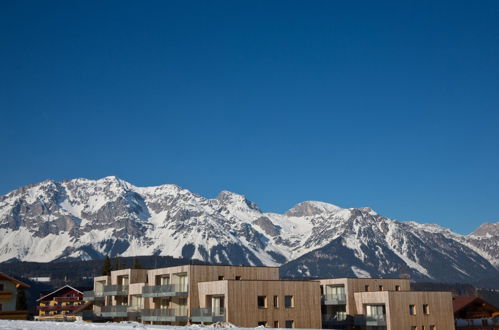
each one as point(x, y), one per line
point(88, 219)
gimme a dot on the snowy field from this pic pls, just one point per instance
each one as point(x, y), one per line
point(47, 325)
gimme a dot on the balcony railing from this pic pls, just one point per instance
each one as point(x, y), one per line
point(57, 308)
point(115, 290)
point(334, 299)
point(120, 311)
point(67, 298)
point(168, 315)
point(93, 295)
point(208, 315)
point(376, 320)
point(5, 295)
point(167, 290)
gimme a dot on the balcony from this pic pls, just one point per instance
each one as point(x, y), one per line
point(376, 320)
point(93, 295)
point(57, 308)
point(70, 299)
point(5, 295)
point(120, 311)
point(334, 299)
point(338, 320)
point(208, 315)
point(115, 290)
point(163, 315)
point(168, 290)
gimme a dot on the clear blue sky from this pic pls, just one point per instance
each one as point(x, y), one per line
point(392, 105)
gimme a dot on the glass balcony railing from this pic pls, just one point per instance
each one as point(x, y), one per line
point(208, 315)
point(166, 290)
point(159, 315)
point(119, 311)
point(376, 320)
point(115, 290)
point(93, 295)
point(334, 299)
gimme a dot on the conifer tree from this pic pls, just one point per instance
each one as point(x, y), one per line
point(117, 263)
point(106, 266)
point(21, 301)
point(136, 263)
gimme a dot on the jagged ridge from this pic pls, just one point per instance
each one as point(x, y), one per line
point(87, 219)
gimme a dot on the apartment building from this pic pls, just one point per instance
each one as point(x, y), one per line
point(252, 303)
point(383, 304)
point(254, 296)
point(9, 287)
point(166, 295)
point(57, 305)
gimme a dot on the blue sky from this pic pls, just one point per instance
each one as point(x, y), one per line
point(392, 105)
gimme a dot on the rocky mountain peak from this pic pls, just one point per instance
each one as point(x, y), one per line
point(487, 229)
point(240, 201)
point(311, 208)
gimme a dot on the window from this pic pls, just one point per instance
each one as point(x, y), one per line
point(262, 301)
point(397, 287)
point(289, 302)
point(220, 277)
point(238, 278)
point(380, 288)
point(414, 327)
point(412, 309)
point(426, 309)
point(366, 288)
point(276, 324)
point(262, 323)
point(290, 324)
point(432, 327)
point(1, 287)
point(276, 301)
point(423, 327)
point(1, 307)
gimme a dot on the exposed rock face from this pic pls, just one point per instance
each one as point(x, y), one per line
point(85, 219)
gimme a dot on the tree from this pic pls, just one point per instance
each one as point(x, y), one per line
point(21, 304)
point(106, 266)
point(136, 263)
point(117, 263)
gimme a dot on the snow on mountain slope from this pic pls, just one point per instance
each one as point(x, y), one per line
point(87, 219)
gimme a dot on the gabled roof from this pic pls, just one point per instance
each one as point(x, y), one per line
point(460, 302)
point(18, 283)
point(55, 291)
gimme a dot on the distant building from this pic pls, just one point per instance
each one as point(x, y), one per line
point(255, 296)
point(41, 279)
point(59, 304)
point(9, 287)
point(475, 313)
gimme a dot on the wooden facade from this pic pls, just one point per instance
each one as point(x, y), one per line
point(58, 304)
point(253, 296)
point(9, 287)
point(241, 302)
point(411, 309)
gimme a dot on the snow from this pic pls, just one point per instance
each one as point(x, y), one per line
point(49, 325)
point(172, 217)
point(360, 273)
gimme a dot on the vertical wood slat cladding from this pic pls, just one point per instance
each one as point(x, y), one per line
point(353, 285)
point(397, 308)
point(242, 308)
point(203, 273)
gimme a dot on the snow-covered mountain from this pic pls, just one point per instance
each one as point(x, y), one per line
point(87, 219)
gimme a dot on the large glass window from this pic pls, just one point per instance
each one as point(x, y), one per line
point(290, 324)
point(289, 301)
